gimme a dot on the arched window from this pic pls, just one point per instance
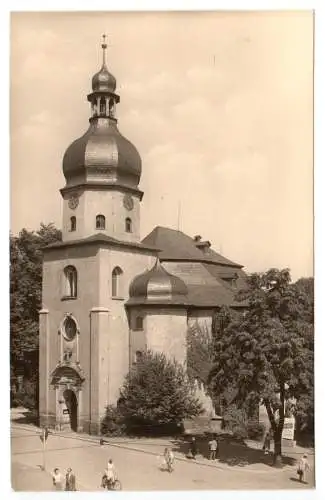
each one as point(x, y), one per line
point(70, 279)
point(128, 225)
point(73, 223)
point(111, 108)
point(100, 221)
point(139, 323)
point(117, 276)
point(102, 108)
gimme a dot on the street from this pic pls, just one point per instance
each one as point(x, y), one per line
point(138, 469)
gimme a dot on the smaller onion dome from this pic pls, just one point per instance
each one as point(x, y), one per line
point(104, 81)
point(157, 286)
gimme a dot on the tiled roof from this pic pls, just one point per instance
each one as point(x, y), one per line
point(175, 245)
point(204, 289)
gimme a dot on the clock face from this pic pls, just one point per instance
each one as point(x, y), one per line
point(73, 202)
point(128, 202)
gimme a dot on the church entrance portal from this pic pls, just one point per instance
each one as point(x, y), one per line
point(72, 406)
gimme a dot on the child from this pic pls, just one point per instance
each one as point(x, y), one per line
point(303, 467)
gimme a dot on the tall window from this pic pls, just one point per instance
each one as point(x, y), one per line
point(111, 108)
point(70, 285)
point(139, 323)
point(100, 221)
point(117, 275)
point(102, 107)
point(128, 225)
point(73, 223)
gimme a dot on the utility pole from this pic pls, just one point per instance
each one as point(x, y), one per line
point(43, 438)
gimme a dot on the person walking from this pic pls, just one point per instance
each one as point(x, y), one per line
point(70, 481)
point(169, 459)
point(193, 448)
point(303, 467)
point(267, 443)
point(57, 479)
point(213, 448)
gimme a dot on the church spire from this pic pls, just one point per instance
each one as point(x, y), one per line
point(103, 98)
point(104, 47)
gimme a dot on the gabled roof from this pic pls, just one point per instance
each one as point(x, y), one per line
point(175, 245)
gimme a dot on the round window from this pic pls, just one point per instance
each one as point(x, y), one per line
point(69, 328)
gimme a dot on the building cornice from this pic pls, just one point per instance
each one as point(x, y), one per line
point(101, 186)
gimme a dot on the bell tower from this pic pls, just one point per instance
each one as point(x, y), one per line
point(102, 170)
point(84, 326)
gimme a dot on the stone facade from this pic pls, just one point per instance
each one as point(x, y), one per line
point(101, 346)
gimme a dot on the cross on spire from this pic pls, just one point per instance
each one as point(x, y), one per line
point(104, 47)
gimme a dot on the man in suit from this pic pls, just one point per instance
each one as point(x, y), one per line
point(70, 481)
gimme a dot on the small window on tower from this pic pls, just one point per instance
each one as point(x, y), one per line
point(139, 323)
point(73, 223)
point(117, 276)
point(100, 221)
point(111, 108)
point(70, 282)
point(102, 107)
point(128, 225)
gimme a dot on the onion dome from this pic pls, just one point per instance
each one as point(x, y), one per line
point(157, 286)
point(102, 155)
point(103, 81)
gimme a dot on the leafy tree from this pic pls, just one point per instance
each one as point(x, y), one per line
point(199, 353)
point(157, 393)
point(266, 354)
point(26, 255)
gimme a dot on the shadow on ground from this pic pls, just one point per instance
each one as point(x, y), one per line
point(231, 452)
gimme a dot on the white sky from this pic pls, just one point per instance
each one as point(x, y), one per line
point(219, 106)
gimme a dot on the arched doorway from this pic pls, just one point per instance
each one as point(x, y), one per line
point(72, 405)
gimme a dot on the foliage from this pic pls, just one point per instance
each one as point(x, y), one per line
point(26, 253)
point(199, 353)
point(235, 420)
point(255, 430)
point(268, 348)
point(157, 394)
point(113, 422)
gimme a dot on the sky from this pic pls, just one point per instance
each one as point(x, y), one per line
point(219, 105)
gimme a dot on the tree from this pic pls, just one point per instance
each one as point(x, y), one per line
point(199, 353)
point(266, 353)
point(157, 393)
point(26, 255)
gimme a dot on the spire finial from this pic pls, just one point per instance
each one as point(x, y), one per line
point(104, 47)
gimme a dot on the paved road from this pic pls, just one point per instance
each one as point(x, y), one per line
point(138, 470)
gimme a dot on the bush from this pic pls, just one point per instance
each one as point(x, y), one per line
point(255, 430)
point(113, 422)
point(156, 397)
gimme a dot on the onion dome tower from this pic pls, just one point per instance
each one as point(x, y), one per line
point(102, 161)
point(157, 286)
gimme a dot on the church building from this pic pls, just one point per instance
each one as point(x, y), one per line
point(108, 295)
